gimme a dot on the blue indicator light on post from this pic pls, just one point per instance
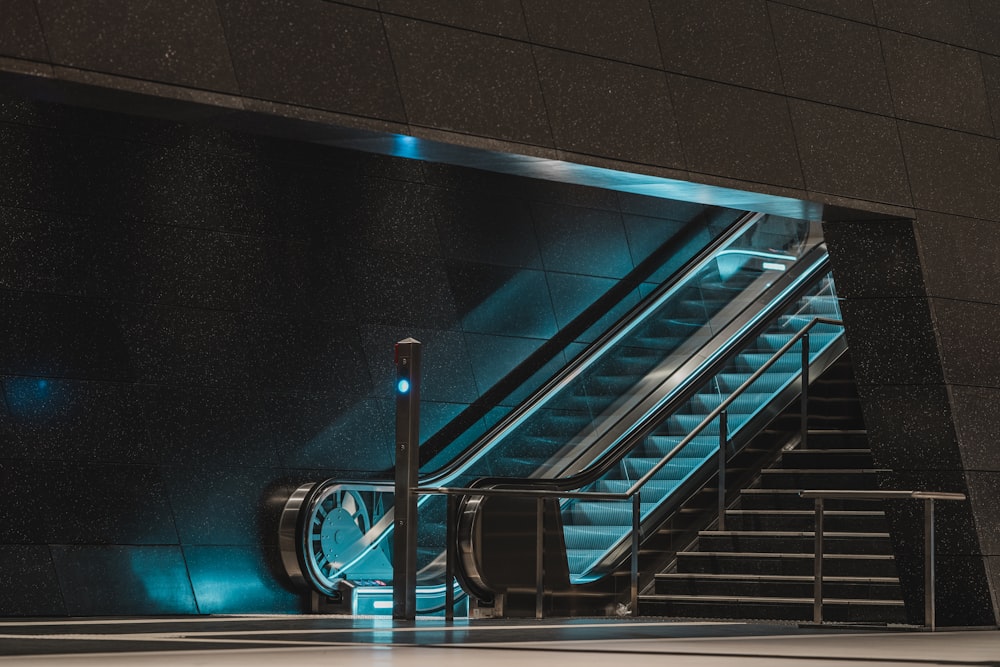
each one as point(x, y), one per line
point(403, 386)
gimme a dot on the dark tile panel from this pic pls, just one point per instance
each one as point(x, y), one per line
point(469, 82)
point(991, 74)
point(615, 29)
point(239, 427)
point(503, 301)
point(955, 521)
point(609, 109)
point(656, 207)
point(969, 339)
point(962, 584)
point(582, 241)
point(47, 252)
point(571, 294)
point(940, 20)
point(984, 496)
point(70, 420)
point(392, 216)
point(910, 427)
point(985, 25)
point(970, 185)
point(177, 41)
point(977, 428)
point(936, 83)
point(317, 54)
point(493, 357)
point(647, 234)
point(434, 416)
point(735, 132)
point(959, 257)
point(296, 278)
point(226, 506)
point(856, 10)
point(503, 18)
point(20, 32)
point(831, 60)
point(892, 341)
point(90, 504)
point(123, 580)
point(201, 189)
point(396, 289)
point(186, 346)
point(569, 194)
point(619, 310)
point(28, 584)
point(446, 372)
point(357, 439)
point(177, 266)
point(494, 228)
point(35, 329)
point(305, 354)
point(240, 580)
point(722, 40)
point(876, 259)
point(850, 153)
point(60, 172)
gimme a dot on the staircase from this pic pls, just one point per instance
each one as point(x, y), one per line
point(761, 566)
point(592, 528)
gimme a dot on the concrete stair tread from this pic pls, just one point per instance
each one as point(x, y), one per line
point(824, 471)
point(775, 577)
point(765, 555)
point(826, 512)
point(788, 533)
point(730, 599)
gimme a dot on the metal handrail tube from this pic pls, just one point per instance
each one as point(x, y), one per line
point(639, 483)
point(928, 497)
point(633, 492)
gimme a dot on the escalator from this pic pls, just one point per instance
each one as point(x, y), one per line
point(612, 414)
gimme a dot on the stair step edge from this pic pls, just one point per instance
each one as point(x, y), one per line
point(736, 599)
point(786, 555)
point(788, 533)
point(777, 578)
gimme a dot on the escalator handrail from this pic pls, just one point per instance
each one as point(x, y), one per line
point(724, 405)
point(705, 255)
point(568, 487)
point(581, 323)
point(635, 435)
point(595, 349)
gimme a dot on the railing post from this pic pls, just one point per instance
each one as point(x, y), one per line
point(449, 558)
point(804, 396)
point(723, 447)
point(818, 565)
point(404, 551)
point(539, 567)
point(634, 581)
point(929, 602)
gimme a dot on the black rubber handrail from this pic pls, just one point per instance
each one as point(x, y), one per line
point(579, 325)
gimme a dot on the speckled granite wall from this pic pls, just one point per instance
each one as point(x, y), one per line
point(197, 321)
point(884, 106)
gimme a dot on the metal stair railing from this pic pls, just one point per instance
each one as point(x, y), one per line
point(633, 493)
point(927, 496)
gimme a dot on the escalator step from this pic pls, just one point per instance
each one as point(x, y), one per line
point(603, 514)
point(593, 538)
point(700, 447)
point(635, 467)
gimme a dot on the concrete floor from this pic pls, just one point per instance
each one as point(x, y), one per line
point(323, 640)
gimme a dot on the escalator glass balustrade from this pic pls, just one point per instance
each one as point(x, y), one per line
point(658, 351)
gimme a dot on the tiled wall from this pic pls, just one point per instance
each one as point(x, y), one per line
point(196, 321)
point(889, 107)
